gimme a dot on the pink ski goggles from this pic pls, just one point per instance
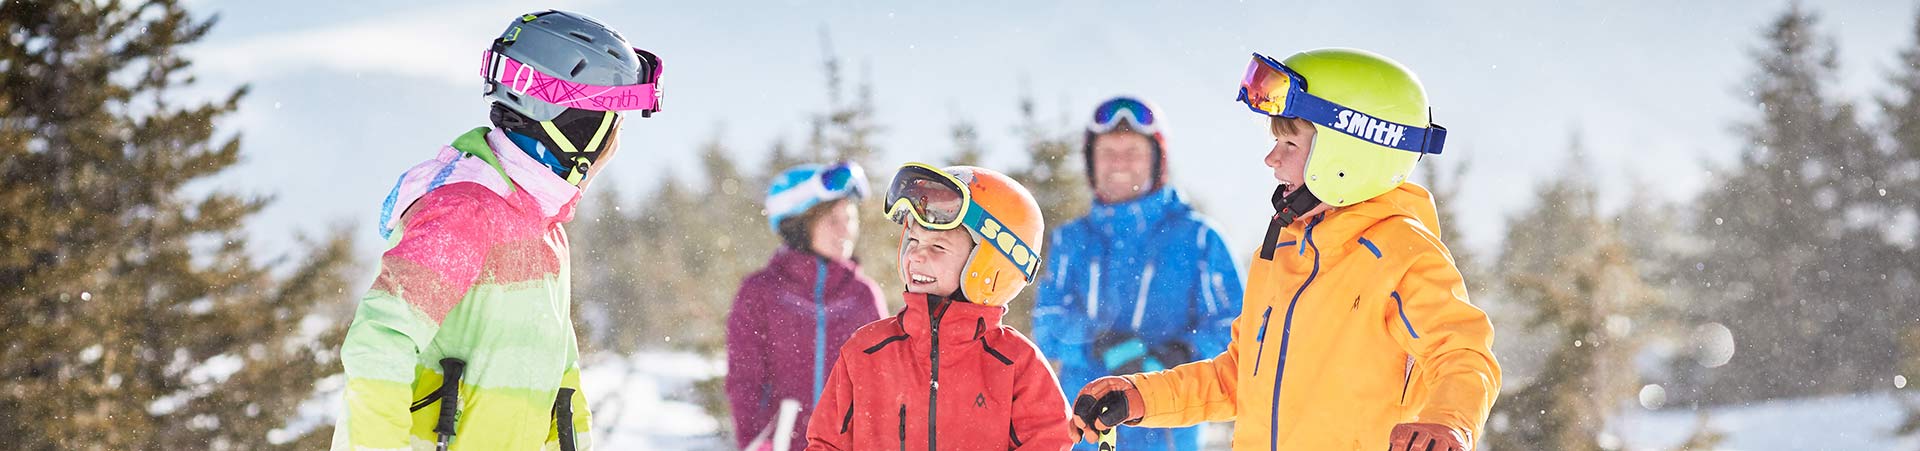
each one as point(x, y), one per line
point(525, 80)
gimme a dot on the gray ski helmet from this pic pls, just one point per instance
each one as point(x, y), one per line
point(569, 46)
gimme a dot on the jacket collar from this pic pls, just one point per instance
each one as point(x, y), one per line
point(486, 157)
point(1342, 224)
point(1135, 215)
point(793, 264)
point(960, 321)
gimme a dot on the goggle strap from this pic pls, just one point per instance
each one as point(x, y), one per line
point(1436, 139)
point(977, 218)
point(1361, 125)
point(501, 70)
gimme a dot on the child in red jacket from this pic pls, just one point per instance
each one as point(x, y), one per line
point(945, 373)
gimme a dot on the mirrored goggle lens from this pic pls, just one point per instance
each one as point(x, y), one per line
point(845, 177)
point(1109, 114)
point(933, 198)
point(1265, 87)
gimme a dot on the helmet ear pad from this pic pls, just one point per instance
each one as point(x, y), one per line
point(991, 277)
point(986, 278)
point(1346, 170)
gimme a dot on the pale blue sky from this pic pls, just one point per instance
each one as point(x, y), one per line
point(348, 94)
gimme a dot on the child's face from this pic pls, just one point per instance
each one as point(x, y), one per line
point(833, 232)
point(931, 260)
point(1288, 158)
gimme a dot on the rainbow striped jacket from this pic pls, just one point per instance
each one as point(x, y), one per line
point(476, 269)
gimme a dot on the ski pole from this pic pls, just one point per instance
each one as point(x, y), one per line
point(563, 418)
point(449, 401)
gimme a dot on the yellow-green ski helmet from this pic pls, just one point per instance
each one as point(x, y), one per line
point(1370, 115)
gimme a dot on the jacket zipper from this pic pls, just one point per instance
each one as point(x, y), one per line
point(1261, 338)
point(1286, 333)
point(1407, 382)
point(819, 326)
point(903, 427)
point(933, 388)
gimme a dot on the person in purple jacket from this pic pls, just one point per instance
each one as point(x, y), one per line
point(789, 319)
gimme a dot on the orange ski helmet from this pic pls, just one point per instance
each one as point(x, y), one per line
point(999, 213)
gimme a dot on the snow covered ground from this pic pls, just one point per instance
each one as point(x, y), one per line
point(659, 414)
point(647, 401)
point(1845, 422)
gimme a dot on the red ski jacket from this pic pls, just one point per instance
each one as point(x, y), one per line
point(990, 386)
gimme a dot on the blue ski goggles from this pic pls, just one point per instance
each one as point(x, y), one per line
point(844, 179)
point(1134, 113)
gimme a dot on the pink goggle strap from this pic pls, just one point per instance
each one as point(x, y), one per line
point(524, 80)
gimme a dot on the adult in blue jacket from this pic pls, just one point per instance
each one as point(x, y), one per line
point(1142, 282)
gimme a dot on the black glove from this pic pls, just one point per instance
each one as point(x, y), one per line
point(1111, 409)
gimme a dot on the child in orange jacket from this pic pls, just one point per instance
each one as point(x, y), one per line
point(945, 373)
point(1356, 332)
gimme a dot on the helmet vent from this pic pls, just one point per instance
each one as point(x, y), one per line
point(612, 53)
point(581, 36)
point(577, 67)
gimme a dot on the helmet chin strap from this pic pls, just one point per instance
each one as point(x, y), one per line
point(580, 161)
point(1289, 207)
point(571, 162)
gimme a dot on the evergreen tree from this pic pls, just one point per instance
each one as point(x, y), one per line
point(847, 131)
point(1899, 191)
point(1565, 264)
point(136, 314)
point(1781, 262)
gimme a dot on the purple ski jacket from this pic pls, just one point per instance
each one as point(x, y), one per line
point(784, 333)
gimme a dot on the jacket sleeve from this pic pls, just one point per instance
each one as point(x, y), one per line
point(1220, 292)
point(1039, 417)
point(747, 384)
point(1193, 393)
point(437, 258)
point(1060, 328)
point(1449, 340)
point(830, 427)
